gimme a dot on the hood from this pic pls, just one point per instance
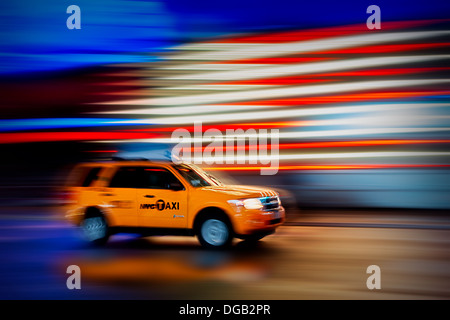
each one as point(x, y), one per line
point(242, 191)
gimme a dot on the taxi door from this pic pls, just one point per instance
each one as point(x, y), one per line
point(161, 199)
point(119, 197)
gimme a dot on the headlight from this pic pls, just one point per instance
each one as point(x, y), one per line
point(251, 204)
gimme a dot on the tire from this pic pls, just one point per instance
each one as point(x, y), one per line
point(215, 233)
point(95, 229)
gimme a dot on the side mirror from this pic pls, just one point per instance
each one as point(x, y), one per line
point(176, 186)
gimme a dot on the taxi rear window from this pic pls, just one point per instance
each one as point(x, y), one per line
point(91, 176)
point(83, 176)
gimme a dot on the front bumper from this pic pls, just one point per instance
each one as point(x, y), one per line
point(258, 221)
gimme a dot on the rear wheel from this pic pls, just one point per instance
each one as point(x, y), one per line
point(215, 233)
point(95, 229)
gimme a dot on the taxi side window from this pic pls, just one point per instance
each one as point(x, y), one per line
point(157, 178)
point(125, 177)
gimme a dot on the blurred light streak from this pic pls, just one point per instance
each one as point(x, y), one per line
point(277, 60)
point(291, 135)
point(342, 155)
point(274, 81)
point(308, 78)
point(359, 50)
point(243, 64)
point(308, 46)
point(230, 126)
point(225, 87)
point(310, 34)
point(228, 86)
point(22, 137)
point(373, 95)
point(270, 125)
point(274, 76)
point(276, 114)
point(327, 144)
point(387, 48)
point(210, 66)
point(395, 119)
point(330, 167)
point(307, 68)
point(198, 109)
point(260, 62)
point(53, 123)
point(210, 98)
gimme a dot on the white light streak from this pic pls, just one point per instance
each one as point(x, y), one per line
point(247, 51)
point(293, 135)
point(304, 68)
point(314, 156)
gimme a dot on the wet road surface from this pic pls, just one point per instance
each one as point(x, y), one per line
point(316, 255)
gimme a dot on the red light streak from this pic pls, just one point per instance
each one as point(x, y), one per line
point(319, 33)
point(332, 167)
point(357, 73)
point(343, 98)
point(23, 137)
point(385, 48)
point(332, 144)
point(277, 60)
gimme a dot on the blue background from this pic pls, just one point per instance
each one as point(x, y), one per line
point(34, 36)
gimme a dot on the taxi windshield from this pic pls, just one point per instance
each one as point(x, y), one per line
point(195, 176)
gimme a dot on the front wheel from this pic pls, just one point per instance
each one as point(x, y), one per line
point(215, 233)
point(95, 229)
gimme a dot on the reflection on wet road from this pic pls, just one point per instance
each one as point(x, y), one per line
point(298, 262)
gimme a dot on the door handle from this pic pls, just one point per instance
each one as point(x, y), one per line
point(149, 196)
point(107, 194)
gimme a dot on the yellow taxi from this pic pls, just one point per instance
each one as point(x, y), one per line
point(165, 198)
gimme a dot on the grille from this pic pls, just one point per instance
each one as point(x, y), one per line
point(270, 203)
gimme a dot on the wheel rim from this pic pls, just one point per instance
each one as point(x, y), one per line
point(94, 228)
point(214, 232)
